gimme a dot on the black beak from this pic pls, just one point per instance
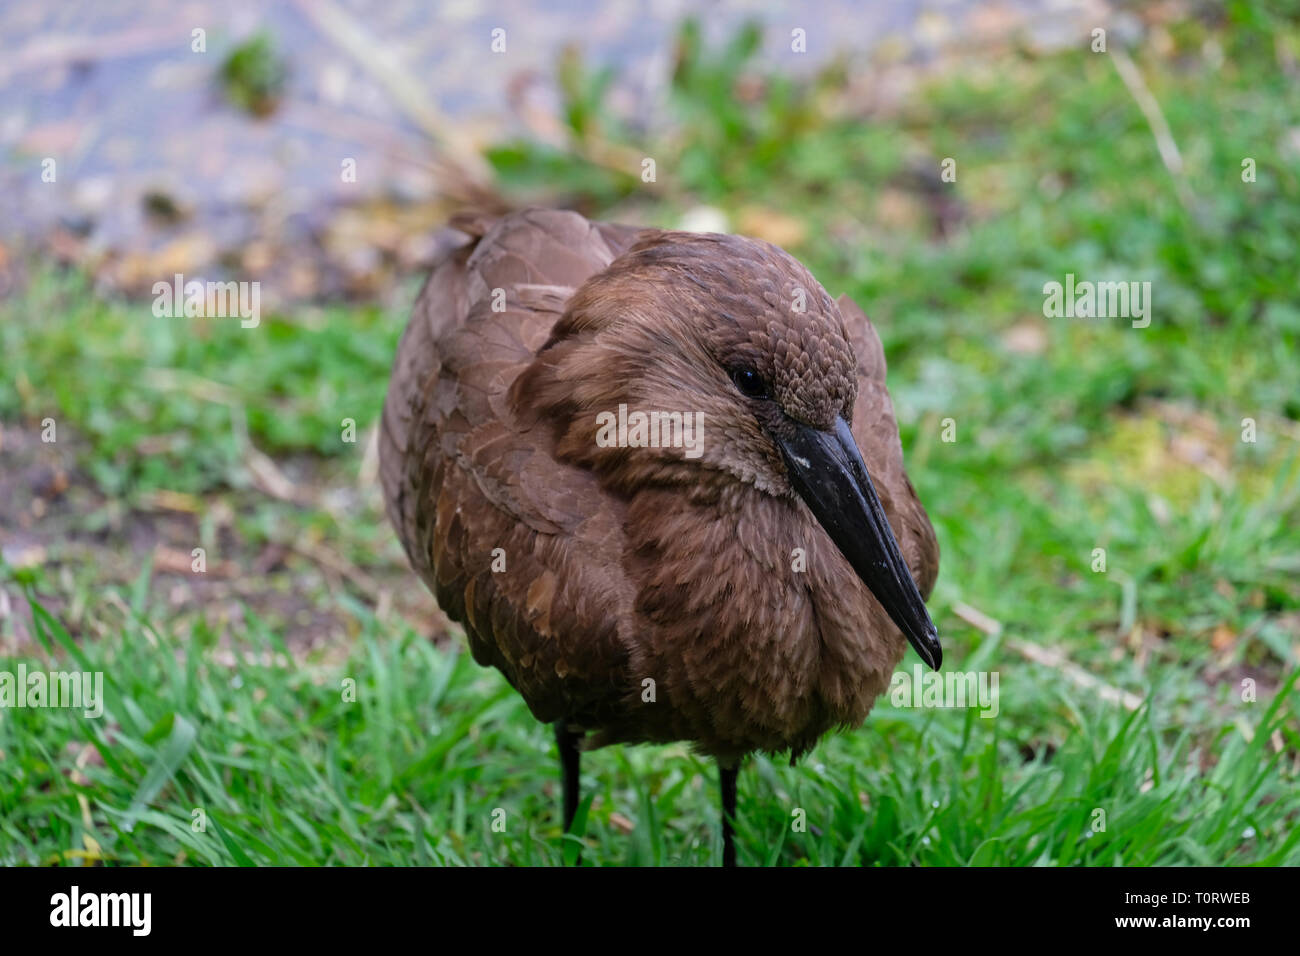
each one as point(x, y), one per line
point(827, 471)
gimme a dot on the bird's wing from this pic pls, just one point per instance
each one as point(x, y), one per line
point(876, 431)
point(523, 550)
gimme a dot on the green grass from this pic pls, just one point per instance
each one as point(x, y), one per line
point(274, 762)
point(120, 375)
point(1095, 436)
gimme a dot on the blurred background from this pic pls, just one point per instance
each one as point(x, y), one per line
point(1118, 508)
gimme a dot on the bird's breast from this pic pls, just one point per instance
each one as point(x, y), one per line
point(752, 627)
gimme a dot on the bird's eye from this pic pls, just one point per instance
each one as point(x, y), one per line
point(749, 382)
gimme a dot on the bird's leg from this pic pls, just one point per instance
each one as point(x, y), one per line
point(727, 778)
point(570, 757)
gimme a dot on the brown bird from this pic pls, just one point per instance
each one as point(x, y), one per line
point(657, 477)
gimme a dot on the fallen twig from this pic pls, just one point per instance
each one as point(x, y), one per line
point(1048, 657)
point(1155, 117)
point(464, 166)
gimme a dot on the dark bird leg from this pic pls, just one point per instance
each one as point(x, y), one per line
point(727, 778)
point(570, 758)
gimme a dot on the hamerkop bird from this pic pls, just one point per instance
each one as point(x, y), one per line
point(741, 572)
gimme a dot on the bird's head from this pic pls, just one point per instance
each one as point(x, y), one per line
point(709, 363)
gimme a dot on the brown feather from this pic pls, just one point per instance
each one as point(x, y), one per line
point(624, 568)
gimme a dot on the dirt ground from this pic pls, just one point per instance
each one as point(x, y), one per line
point(79, 545)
